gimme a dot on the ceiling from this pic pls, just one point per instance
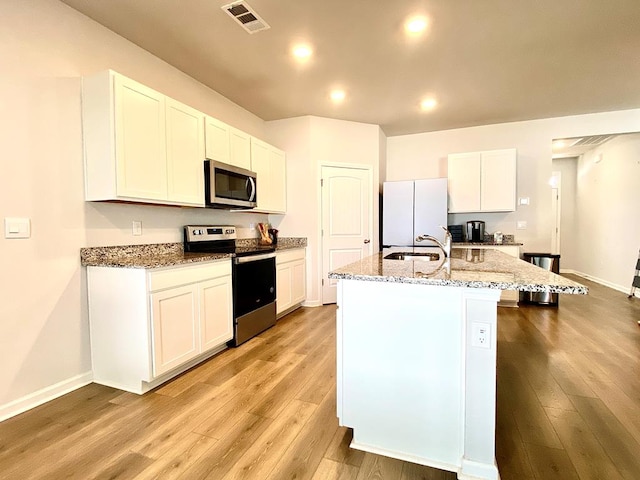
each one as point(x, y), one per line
point(485, 61)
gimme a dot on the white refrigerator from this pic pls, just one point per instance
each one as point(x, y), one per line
point(411, 208)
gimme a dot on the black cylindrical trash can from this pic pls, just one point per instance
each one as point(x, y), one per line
point(547, 261)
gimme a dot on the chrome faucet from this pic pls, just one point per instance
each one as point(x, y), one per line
point(446, 247)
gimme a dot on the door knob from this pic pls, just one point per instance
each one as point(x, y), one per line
point(366, 240)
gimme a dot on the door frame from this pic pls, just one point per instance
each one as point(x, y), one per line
point(371, 199)
point(556, 207)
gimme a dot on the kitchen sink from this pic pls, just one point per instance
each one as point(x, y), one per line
point(425, 257)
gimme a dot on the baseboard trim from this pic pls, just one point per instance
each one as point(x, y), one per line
point(606, 283)
point(312, 303)
point(44, 395)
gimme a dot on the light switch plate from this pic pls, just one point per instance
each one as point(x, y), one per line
point(521, 225)
point(15, 227)
point(524, 201)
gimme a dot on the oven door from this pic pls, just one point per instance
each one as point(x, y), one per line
point(254, 295)
point(227, 186)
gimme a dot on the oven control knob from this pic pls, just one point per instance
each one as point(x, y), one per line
point(271, 290)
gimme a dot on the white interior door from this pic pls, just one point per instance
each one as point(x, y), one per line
point(347, 204)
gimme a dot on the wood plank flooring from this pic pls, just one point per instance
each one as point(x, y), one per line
point(568, 408)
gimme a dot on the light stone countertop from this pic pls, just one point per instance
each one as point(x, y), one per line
point(159, 255)
point(468, 267)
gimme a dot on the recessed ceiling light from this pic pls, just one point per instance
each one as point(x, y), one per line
point(428, 103)
point(416, 25)
point(302, 51)
point(337, 96)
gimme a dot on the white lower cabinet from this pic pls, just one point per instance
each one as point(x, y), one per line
point(508, 298)
point(150, 325)
point(174, 314)
point(290, 280)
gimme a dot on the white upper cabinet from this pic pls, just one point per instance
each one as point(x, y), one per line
point(185, 153)
point(269, 164)
point(217, 140)
point(239, 148)
point(463, 182)
point(140, 145)
point(482, 181)
point(498, 181)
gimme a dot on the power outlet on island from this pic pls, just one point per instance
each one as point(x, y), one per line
point(480, 335)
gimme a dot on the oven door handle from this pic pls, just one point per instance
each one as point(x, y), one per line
point(253, 258)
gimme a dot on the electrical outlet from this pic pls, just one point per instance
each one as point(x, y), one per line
point(521, 225)
point(136, 228)
point(523, 201)
point(481, 335)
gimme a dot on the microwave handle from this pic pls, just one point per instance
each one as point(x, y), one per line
point(251, 183)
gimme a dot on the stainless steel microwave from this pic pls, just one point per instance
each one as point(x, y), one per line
point(230, 187)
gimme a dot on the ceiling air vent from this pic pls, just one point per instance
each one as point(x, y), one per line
point(593, 141)
point(246, 17)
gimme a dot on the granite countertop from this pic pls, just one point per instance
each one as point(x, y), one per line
point(159, 255)
point(468, 267)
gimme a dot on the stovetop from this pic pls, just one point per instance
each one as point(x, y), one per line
point(219, 239)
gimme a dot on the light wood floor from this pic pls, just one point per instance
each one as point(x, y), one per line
point(568, 408)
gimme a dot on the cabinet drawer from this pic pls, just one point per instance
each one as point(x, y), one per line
point(289, 255)
point(161, 279)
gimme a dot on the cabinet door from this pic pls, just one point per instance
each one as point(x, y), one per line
point(498, 181)
point(185, 154)
point(216, 140)
point(298, 282)
point(140, 133)
point(463, 184)
point(216, 318)
point(239, 148)
point(283, 287)
point(278, 180)
point(174, 320)
point(260, 165)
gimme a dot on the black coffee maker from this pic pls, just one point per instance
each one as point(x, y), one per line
point(475, 231)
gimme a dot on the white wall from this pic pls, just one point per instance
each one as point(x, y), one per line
point(424, 155)
point(311, 142)
point(45, 48)
point(607, 211)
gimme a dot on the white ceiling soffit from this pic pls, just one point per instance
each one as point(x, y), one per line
point(246, 17)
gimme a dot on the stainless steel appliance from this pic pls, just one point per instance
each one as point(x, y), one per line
point(229, 187)
point(475, 231)
point(253, 277)
point(546, 261)
point(412, 208)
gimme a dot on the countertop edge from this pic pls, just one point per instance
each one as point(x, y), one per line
point(162, 255)
point(525, 277)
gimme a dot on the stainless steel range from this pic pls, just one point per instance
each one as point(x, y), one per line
point(253, 273)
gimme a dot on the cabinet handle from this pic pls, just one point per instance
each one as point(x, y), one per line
point(367, 240)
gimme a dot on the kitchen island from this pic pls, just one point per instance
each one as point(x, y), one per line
point(416, 353)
